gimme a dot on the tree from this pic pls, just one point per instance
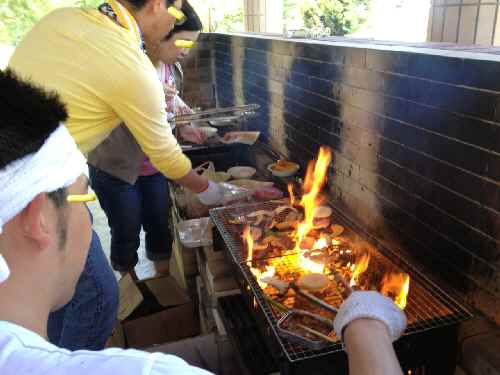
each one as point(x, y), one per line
point(230, 22)
point(17, 17)
point(340, 16)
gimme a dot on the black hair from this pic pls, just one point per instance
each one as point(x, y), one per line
point(139, 4)
point(192, 22)
point(28, 116)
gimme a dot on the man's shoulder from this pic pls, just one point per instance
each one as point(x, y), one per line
point(25, 352)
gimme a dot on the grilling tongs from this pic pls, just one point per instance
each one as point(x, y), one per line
point(218, 114)
point(284, 286)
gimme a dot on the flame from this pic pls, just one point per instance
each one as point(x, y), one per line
point(360, 267)
point(247, 236)
point(320, 244)
point(290, 193)
point(309, 265)
point(270, 270)
point(397, 286)
point(314, 182)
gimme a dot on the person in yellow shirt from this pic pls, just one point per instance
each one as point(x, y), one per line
point(94, 59)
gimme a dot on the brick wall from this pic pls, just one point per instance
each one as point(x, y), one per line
point(416, 136)
point(198, 73)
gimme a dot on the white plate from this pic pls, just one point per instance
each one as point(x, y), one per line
point(242, 172)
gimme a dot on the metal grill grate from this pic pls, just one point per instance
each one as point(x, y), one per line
point(428, 306)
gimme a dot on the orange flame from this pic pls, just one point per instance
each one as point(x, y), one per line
point(360, 268)
point(309, 265)
point(270, 270)
point(397, 286)
point(314, 182)
point(247, 236)
point(292, 196)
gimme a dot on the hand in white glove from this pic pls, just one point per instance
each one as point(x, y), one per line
point(213, 196)
point(371, 305)
point(192, 134)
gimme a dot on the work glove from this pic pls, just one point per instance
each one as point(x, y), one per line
point(371, 305)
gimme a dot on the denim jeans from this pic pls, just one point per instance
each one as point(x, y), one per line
point(88, 319)
point(129, 207)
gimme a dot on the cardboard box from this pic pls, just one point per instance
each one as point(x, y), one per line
point(117, 338)
point(167, 291)
point(130, 297)
point(172, 324)
point(220, 277)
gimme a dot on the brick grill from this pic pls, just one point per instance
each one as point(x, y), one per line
point(429, 309)
point(415, 134)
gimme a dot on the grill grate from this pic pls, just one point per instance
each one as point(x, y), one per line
point(428, 306)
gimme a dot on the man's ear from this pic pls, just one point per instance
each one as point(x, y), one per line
point(34, 221)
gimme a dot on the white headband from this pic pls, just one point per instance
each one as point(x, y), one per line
point(56, 165)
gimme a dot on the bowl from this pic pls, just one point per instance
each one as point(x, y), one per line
point(294, 168)
point(209, 131)
point(242, 172)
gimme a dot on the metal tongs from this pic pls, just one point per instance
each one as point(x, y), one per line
point(218, 114)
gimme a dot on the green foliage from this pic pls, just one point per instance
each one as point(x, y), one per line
point(17, 17)
point(340, 16)
point(89, 3)
point(230, 22)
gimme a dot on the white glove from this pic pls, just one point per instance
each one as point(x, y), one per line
point(371, 305)
point(4, 269)
point(213, 196)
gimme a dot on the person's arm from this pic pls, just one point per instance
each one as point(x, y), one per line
point(139, 103)
point(369, 323)
point(369, 348)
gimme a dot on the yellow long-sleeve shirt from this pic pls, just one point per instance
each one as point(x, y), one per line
point(104, 79)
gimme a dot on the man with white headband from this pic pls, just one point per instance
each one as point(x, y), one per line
point(44, 238)
point(84, 54)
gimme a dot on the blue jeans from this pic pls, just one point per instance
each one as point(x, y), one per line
point(88, 319)
point(129, 207)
